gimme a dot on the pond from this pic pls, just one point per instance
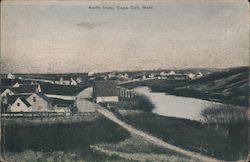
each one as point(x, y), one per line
point(176, 106)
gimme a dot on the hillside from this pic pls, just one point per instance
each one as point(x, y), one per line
point(227, 86)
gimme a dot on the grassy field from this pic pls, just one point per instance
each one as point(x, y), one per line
point(137, 148)
point(64, 139)
point(84, 117)
point(226, 142)
point(29, 141)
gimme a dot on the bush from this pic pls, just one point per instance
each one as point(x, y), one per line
point(224, 114)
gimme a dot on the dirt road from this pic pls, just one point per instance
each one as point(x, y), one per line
point(153, 139)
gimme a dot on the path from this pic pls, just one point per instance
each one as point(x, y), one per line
point(144, 157)
point(147, 136)
point(153, 139)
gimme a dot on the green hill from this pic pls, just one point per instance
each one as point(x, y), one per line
point(227, 86)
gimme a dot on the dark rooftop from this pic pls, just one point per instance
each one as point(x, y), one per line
point(9, 82)
point(105, 88)
point(11, 99)
point(25, 88)
point(67, 90)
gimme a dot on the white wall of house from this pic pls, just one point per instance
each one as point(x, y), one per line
point(19, 106)
point(107, 99)
point(38, 103)
point(7, 92)
point(16, 85)
point(11, 76)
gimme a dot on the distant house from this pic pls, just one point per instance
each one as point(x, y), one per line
point(72, 82)
point(39, 102)
point(105, 91)
point(111, 75)
point(151, 76)
point(11, 76)
point(91, 73)
point(18, 103)
point(199, 75)
point(191, 76)
point(8, 92)
point(171, 73)
point(163, 74)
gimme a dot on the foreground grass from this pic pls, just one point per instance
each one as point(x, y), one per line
point(69, 140)
point(84, 117)
point(137, 148)
point(60, 156)
point(225, 142)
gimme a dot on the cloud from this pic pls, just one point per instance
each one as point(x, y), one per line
point(91, 25)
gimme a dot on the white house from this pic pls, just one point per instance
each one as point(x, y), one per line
point(16, 85)
point(162, 74)
point(191, 76)
point(91, 73)
point(171, 73)
point(39, 102)
point(11, 76)
point(8, 92)
point(19, 104)
point(72, 82)
point(199, 75)
point(144, 77)
point(151, 76)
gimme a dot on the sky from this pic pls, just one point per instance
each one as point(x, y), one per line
point(68, 36)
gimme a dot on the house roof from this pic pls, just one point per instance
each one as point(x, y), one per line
point(43, 96)
point(10, 88)
point(9, 82)
point(61, 102)
point(67, 90)
point(105, 88)
point(11, 99)
point(25, 102)
point(25, 88)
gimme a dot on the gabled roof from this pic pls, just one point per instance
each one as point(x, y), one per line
point(26, 88)
point(11, 99)
point(43, 96)
point(10, 88)
point(9, 82)
point(25, 102)
point(67, 90)
point(105, 88)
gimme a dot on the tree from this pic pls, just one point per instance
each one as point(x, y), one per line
point(224, 114)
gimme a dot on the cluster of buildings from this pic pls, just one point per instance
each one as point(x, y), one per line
point(31, 95)
point(18, 95)
point(172, 75)
point(24, 95)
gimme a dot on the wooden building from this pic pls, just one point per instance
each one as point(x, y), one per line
point(105, 91)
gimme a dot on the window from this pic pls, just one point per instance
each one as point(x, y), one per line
point(18, 104)
point(34, 99)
